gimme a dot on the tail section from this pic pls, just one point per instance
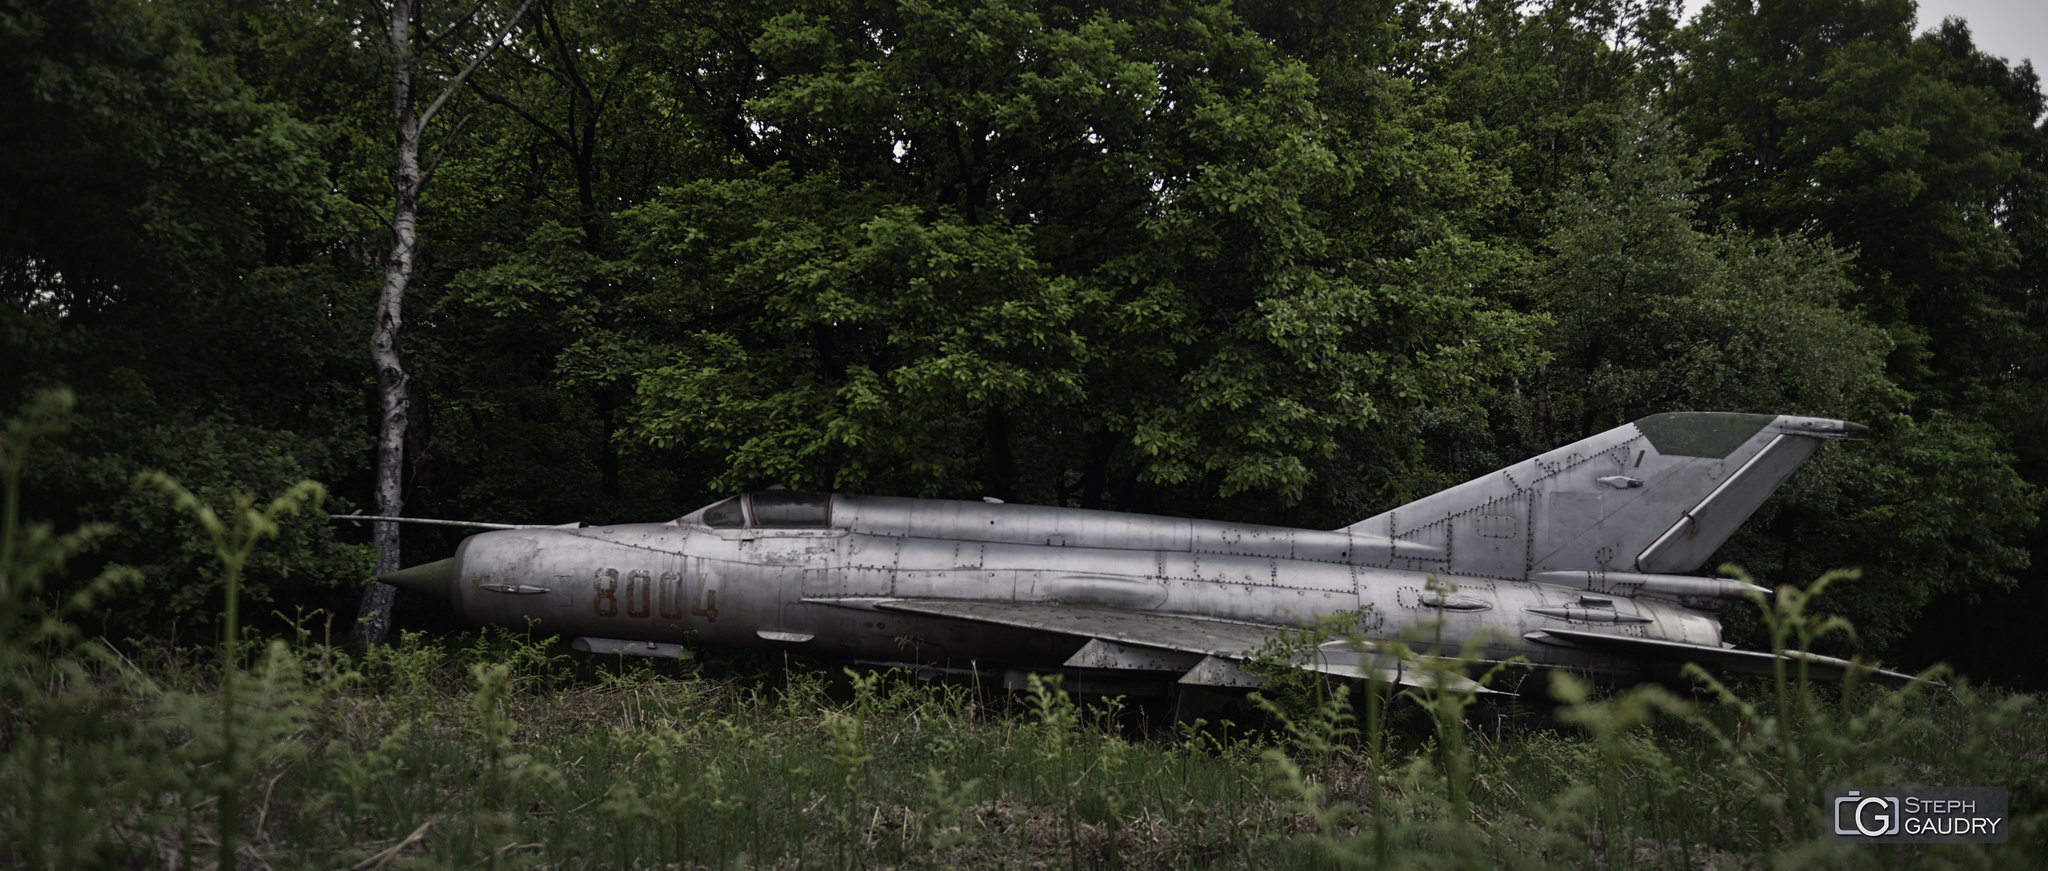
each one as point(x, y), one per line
point(1643, 500)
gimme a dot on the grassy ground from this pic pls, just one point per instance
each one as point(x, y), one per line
point(496, 752)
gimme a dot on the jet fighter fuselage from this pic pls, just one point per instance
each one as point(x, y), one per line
point(1577, 559)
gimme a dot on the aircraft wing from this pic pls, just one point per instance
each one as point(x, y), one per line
point(1722, 659)
point(1207, 651)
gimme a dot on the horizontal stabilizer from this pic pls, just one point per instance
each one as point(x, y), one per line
point(1722, 659)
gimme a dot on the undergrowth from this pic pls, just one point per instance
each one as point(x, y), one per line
point(497, 750)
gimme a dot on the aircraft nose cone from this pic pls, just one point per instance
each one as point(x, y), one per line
point(430, 578)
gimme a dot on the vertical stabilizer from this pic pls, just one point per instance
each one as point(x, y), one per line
point(1657, 496)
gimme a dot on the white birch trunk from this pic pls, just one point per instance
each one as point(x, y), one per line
point(394, 395)
point(373, 619)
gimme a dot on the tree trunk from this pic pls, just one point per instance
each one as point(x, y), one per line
point(394, 396)
point(373, 619)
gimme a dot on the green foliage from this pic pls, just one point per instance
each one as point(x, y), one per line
point(217, 458)
point(84, 729)
point(165, 240)
point(1315, 716)
point(1925, 510)
point(1646, 779)
point(1654, 314)
point(1034, 236)
point(63, 737)
point(1909, 152)
point(1547, 86)
point(234, 539)
point(1276, 262)
point(133, 160)
point(33, 555)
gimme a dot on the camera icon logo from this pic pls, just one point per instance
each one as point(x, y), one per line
point(1871, 816)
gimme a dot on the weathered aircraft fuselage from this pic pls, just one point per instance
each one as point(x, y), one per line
point(1568, 560)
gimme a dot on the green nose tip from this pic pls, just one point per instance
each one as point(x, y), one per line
point(430, 578)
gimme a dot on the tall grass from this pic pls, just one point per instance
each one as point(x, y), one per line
point(496, 750)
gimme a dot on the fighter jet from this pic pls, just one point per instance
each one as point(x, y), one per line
point(1581, 559)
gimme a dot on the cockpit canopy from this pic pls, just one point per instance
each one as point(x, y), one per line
point(772, 509)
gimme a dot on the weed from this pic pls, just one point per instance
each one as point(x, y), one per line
point(234, 539)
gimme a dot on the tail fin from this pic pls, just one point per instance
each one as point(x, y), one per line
point(1653, 497)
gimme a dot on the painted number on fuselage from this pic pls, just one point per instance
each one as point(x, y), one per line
point(648, 596)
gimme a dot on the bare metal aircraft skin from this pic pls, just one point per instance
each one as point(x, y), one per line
point(1578, 559)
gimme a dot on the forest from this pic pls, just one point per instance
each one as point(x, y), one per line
point(1286, 262)
point(1278, 261)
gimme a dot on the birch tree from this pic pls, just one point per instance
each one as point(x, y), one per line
point(413, 52)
